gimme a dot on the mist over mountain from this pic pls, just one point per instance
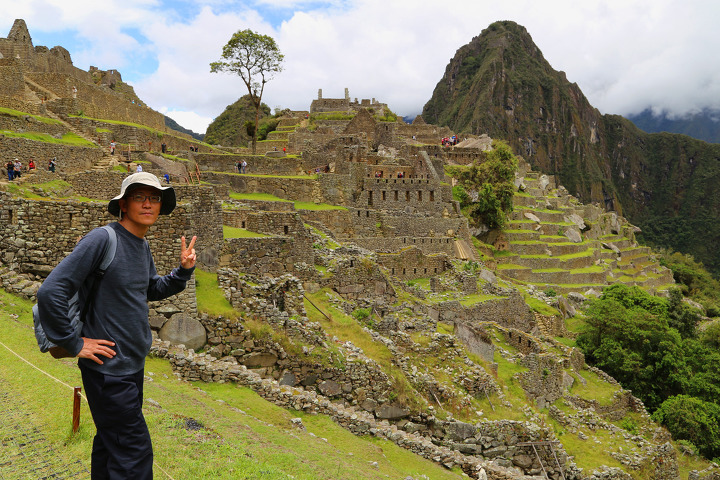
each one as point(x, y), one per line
point(704, 125)
point(501, 84)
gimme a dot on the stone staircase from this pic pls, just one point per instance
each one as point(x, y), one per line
point(554, 242)
point(107, 162)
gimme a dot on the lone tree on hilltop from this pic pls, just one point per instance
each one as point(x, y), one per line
point(255, 58)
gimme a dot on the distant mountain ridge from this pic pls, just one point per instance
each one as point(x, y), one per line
point(170, 123)
point(501, 84)
point(704, 125)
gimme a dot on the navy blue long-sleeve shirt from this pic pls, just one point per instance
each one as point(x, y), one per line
point(120, 311)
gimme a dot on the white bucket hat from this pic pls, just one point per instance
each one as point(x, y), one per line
point(137, 180)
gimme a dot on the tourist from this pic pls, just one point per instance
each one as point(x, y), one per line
point(52, 163)
point(31, 165)
point(112, 147)
point(167, 178)
point(139, 168)
point(10, 170)
point(243, 166)
point(17, 169)
point(163, 147)
point(116, 335)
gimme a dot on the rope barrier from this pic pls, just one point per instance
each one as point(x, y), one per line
point(72, 388)
point(40, 370)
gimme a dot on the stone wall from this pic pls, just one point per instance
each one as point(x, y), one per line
point(94, 101)
point(399, 224)
point(339, 222)
point(476, 340)
point(26, 123)
point(12, 83)
point(360, 377)
point(36, 235)
point(256, 164)
point(400, 193)
point(509, 312)
point(298, 189)
point(70, 158)
point(355, 276)
point(428, 245)
point(190, 365)
point(269, 255)
point(412, 263)
point(138, 138)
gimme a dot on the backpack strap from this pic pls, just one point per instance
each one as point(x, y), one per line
point(110, 248)
point(108, 257)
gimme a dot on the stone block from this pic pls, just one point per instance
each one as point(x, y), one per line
point(288, 378)
point(391, 412)
point(260, 360)
point(157, 321)
point(183, 329)
point(459, 431)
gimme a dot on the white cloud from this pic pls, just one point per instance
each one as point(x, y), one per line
point(625, 56)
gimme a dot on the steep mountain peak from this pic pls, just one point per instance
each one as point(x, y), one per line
point(500, 84)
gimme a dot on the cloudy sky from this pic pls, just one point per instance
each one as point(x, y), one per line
point(626, 55)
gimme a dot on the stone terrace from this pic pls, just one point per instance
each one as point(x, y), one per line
point(554, 242)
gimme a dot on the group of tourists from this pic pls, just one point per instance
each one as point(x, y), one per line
point(240, 166)
point(15, 168)
point(319, 170)
point(449, 141)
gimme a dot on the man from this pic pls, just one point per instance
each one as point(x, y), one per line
point(18, 169)
point(116, 336)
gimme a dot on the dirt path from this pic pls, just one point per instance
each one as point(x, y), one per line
point(25, 453)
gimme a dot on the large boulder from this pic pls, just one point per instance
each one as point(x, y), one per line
point(184, 329)
point(573, 235)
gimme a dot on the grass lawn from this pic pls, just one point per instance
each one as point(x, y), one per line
point(235, 232)
point(16, 113)
point(67, 138)
point(267, 197)
point(241, 435)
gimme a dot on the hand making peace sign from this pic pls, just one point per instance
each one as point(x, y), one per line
point(187, 253)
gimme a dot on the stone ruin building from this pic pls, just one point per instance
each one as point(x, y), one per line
point(392, 223)
point(345, 105)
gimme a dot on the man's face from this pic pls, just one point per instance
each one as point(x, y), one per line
point(141, 207)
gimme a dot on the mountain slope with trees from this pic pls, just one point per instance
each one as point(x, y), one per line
point(232, 126)
point(501, 84)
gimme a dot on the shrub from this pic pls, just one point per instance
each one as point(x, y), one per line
point(361, 314)
point(493, 180)
point(689, 418)
point(629, 425)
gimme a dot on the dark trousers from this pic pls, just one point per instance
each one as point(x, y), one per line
point(122, 448)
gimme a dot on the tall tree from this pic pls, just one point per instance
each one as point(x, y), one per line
point(256, 59)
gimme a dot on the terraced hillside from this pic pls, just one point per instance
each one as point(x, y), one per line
point(338, 279)
point(553, 242)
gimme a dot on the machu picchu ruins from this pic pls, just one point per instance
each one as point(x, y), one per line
point(345, 212)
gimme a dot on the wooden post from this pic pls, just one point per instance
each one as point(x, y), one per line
point(76, 409)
